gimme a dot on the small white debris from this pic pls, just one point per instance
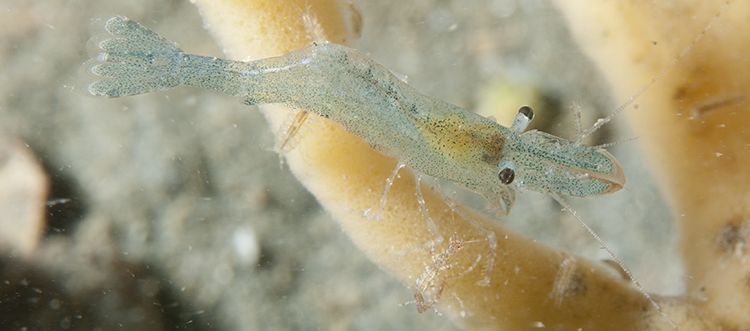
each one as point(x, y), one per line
point(246, 245)
point(537, 324)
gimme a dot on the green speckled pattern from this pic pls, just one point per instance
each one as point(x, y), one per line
point(342, 84)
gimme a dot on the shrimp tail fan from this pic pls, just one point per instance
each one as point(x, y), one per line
point(132, 59)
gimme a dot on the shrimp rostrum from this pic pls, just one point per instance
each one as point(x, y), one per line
point(342, 84)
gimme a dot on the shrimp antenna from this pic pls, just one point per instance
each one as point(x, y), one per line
point(614, 258)
point(616, 142)
point(663, 72)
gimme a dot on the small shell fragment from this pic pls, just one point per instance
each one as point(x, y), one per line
point(23, 190)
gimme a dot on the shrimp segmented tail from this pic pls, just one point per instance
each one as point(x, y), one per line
point(134, 61)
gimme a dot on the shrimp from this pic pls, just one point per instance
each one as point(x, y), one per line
point(339, 83)
point(290, 130)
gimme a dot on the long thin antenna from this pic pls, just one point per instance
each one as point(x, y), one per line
point(602, 121)
point(614, 143)
point(614, 258)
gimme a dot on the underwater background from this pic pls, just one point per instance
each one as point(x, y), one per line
point(172, 211)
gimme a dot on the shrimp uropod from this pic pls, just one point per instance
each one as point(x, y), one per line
point(430, 136)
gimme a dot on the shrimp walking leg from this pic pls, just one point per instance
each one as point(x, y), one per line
point(378, 213)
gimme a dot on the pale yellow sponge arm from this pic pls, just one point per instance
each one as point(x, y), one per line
point(692, 122)
point(477, 272)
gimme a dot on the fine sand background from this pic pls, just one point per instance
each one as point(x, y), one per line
point(171, 211)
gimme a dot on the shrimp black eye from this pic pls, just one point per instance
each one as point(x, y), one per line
point(526, 111)
point(506, 175)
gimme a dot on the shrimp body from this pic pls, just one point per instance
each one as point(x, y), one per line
point(431, 136)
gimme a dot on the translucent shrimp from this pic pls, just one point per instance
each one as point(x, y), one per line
point(291, 129)
point(431, 136)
